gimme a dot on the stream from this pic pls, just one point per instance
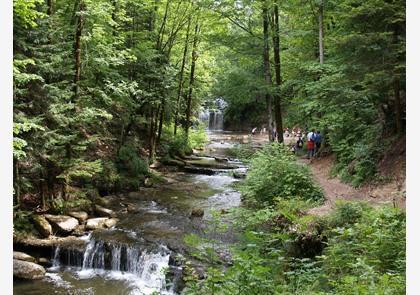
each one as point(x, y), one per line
point(137, 256)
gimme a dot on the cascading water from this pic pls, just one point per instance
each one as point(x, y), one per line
point(213, 118)
point(144, 269)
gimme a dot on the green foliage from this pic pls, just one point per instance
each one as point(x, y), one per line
point(197, 138)
point(274, 173)
point(22, 221)
point(365, 254)
point(179, 145)
point(61, 206)
point(129, 162)
point(243, 152)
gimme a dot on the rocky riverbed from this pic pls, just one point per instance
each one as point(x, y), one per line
point(125, 241)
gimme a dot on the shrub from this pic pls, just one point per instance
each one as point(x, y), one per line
point(129, 162)
point(273, 173)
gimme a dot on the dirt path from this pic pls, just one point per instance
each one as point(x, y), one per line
point(335, 190)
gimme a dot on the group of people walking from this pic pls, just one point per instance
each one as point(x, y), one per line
point(313, 140)
point(313, 143)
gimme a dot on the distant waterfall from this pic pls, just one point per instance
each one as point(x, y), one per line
point(213, 118)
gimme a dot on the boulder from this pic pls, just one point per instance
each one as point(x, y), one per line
point(79, 230)
point(23, 256)
point(221, 160)
point(27, 270)
point(42, 225)
point(62, 223)
point(111, 222)
point(32, 242)
point(104, 212)
point(44, 261)
point(96, 223)
point(197, 212)
point(102, 201)
point(131, 208)
point(148, 182)
point(82, 216)
point(156, 165)
point(239, 175)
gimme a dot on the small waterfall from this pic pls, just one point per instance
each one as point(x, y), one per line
point(145, 268)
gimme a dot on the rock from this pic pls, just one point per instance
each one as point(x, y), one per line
point(197, 212)
point(173, 162)
point(221, 160)
point(156, 165)
point(29, 241)
point(79, 230)
point(148, 182)
point(82, 216)
point(27, 270)
point(42, 225)
point(62, 223)
point(200, 170)
point(102, 201)
point(44, 261)
point(104, 212)
point(111, 222)
point(23, 256)
point(131, 208)
point(96, 223)
point(239, 175)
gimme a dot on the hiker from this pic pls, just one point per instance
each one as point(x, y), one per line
point(254, 131)
point(318, 141)
point(298, 145)
point(275, 134)
point(311, 144)
point(286, 132)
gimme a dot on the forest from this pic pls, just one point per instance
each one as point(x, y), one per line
point(112, 101)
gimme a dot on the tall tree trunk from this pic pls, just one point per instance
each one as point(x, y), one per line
point(77, 48)
point(194, 57)
point(321, 32)
point(267, 73)
point(398, 108)
point(277, 68)
point(181, 76)
point(396, 86)
point(161, 116)
point(49, 7)
point(17, 182)
point(152, 135)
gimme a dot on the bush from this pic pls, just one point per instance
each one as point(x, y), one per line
point(274, 173)
point(243, 152)
point(129, 162)
point(177, 145)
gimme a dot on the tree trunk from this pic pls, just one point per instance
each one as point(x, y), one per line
point(398, 108)
point(321, 32)
point(396, 87)
point(77, 49)
point(181, 76)
point(194, 57)
point(267, 73)
point(50, 7)
point(162, 113)
point(17, 182)
point(277, 68)
point(152, 135)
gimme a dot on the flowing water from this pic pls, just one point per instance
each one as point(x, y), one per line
point(136, 256)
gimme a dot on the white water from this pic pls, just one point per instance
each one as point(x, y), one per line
point(143, 271)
